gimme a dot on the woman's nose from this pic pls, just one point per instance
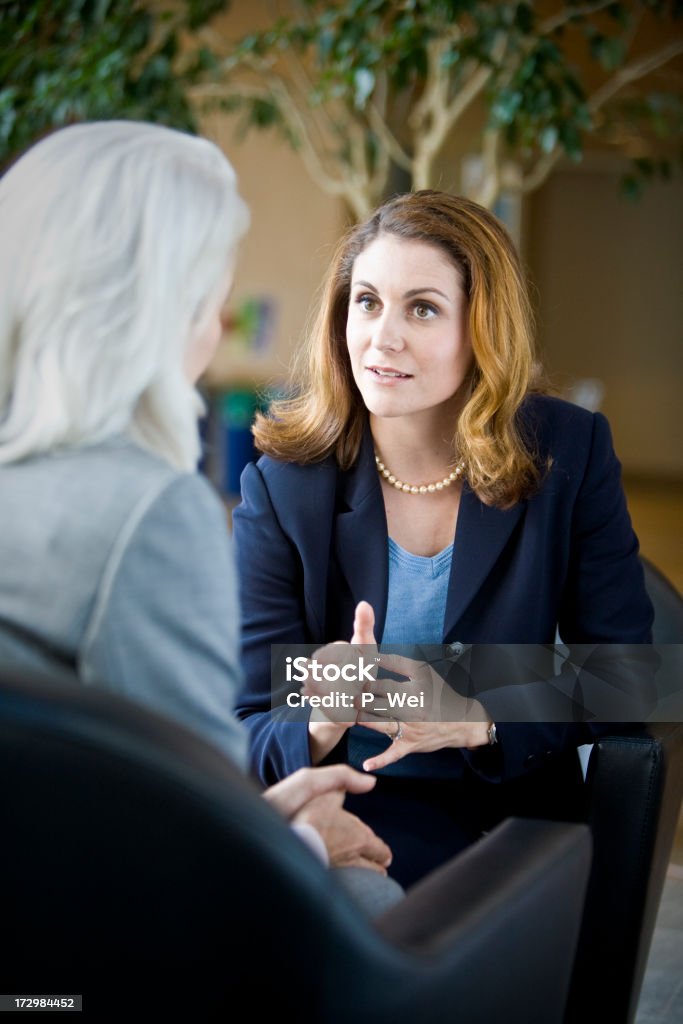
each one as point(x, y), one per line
point(387, 333)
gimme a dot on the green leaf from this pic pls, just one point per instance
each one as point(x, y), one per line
point(506, 105)
point(549, 138)
point(263, 113)
point(524, 18)
point(571, 140)
point(613, 53)
point(364, 83)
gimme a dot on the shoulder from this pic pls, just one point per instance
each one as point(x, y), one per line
point(576, 442)
point(290, 482)
point(104, 490)
point(170, 539)
point(285, 500)
point(167, 505)
point(557, 428)
point(122, 479)
point(549, 419)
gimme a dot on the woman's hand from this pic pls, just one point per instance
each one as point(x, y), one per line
point(315, 796)
point(293, 793)
point(348, 840)
point(421, 714)
point(327, 725)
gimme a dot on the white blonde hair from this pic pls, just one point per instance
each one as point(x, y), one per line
point(112, 236)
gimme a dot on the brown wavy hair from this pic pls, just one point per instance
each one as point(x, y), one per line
point(327, 415)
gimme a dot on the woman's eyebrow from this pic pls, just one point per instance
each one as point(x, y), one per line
point(407, 295)
point(420, 291)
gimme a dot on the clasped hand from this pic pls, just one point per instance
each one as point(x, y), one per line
point(314, 796)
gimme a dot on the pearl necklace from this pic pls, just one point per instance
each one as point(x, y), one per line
point(439, 485)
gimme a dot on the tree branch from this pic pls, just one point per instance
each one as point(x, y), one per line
point(632, 72)
point(491, 183)
point(444, 115)
point(388, 139)
point(562, 17)
point(302, 82)
point(329, 183)
point(535, 178)
point(625, 76)
point(214, 40)
point(428, 116)
point(432, 97)
point(467, 95)
point(292, 116)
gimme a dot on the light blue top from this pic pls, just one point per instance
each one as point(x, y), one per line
point(416, 607)
point(416, 604)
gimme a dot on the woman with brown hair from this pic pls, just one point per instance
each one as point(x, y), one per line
point(420, 470)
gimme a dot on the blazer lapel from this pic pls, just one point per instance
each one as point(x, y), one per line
point(361, 534)
point(480, 537)
point(361, 542)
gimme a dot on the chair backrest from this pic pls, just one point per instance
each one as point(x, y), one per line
point(635, 788)
point(668, 605)
point(138, 869)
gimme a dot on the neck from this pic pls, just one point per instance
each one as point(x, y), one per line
point(415, 444)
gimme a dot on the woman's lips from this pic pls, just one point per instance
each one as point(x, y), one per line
point(387, 374)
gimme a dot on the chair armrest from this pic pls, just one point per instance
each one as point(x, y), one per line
point(505, 915)
point(634, 785)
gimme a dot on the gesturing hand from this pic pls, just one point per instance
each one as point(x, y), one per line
point(327, 725)
point(437, 716)
point(364, 626)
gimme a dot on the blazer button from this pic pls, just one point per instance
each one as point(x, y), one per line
point(530, 759)
point(456, 648)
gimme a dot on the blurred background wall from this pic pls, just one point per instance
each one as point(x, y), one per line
point(609, 280)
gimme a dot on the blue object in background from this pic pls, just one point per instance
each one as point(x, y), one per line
point(236, 414)
point(227, 443)
point(237, 411)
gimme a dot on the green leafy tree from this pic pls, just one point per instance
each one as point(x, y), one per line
point(70, 60)
point(363, 87)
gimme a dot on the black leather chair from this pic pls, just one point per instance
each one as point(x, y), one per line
point(635, 790)
point(137, 868)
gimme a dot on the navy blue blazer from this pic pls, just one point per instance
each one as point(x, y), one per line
point(311, 541)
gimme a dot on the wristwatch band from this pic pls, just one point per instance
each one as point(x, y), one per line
point(492, 734)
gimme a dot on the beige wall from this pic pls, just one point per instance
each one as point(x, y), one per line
point(294, 225)
point(294, 228)
point(609, 275)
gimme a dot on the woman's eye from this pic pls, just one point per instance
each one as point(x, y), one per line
point(367, 302)
point(424, 310)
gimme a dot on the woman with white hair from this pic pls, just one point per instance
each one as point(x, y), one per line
point(117, 252)
point(118, 242)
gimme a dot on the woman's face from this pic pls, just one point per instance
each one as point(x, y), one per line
point(208, 330)
point(407, 327)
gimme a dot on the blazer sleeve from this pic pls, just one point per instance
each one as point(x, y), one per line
point(165, 626)
point(603, 603)
point(271, 597)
